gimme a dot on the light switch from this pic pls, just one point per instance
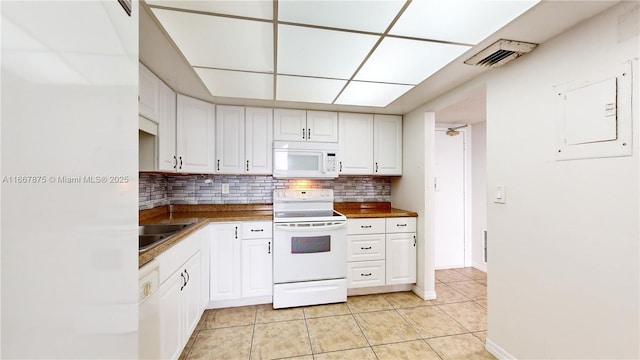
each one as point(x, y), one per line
point(500, 195)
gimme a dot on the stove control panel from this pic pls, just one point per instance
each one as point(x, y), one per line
point(288, 195)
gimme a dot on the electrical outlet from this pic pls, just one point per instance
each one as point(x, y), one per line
point(225, 188)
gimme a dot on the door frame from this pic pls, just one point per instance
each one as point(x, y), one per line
point(468, 181)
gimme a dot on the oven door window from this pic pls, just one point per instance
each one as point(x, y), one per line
point(310, 244)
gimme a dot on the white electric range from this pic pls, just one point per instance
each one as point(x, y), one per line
point(309, 249)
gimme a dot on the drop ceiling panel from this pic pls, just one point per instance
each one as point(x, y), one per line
point(403, 61)
point(466, 22)
point(322, 53)
point(373, 16)
point(237, 84)
point(220, 42)
point(304, 89)
point(371, 94)
point(245, 8)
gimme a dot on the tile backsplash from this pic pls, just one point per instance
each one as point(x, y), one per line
point(159, 189)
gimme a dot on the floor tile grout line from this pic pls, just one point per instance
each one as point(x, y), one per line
point(454, 319)
point(253, 332)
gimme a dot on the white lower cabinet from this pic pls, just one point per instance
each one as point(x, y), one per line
point(381, 251)
point(180, 305)
point(241, 263)
point(224, 260)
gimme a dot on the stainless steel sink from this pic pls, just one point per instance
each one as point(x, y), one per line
point(155, 229)
point(153, 235)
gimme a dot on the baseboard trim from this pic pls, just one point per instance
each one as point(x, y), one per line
point(267, 299)
point(378, 289)
point(425, 295)
point(497, 351)
point(481, 267)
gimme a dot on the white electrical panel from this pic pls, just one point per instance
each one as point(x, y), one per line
point(593, 117)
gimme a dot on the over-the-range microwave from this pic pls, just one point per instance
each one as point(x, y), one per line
point(305, 160)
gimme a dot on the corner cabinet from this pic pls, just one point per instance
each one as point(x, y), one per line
point(241, 263)
point(195, 128)
point(244, 139)
point(301, 125)
point(370, 144)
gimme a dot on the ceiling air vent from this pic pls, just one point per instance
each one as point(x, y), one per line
point(500, 53)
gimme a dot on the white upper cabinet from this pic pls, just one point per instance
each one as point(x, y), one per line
point(258, 140)
point(243, 140)
point(387, 145)
point(195, 126)
point(356, 144)
point(167, 159)
point(322, 126)
point(149, 94)
point(230, 139)
point(301, 125)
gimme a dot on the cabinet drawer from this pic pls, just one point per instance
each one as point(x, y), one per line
point(365, 273)
point(365, 247)
point(401, 225)
point(170, 260)
point(257, 229)
point(365, 226)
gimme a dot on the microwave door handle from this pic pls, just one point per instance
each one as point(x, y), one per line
point(324, 162)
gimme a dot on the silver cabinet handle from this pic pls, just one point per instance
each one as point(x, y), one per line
point(175, 162)
point(188, 276)
point(376, 166)
point(181, 162)
point(303, 133)
point(184, 281)
point(257, 230)
point(218, 165)
point(309, 134)
point(414, 241)
point(269, 249)
point(365, 226)
point(247, 165)
point(365, 248)
point(340, 166)
point(367, 274)
point(401, 225)
point(236, 232)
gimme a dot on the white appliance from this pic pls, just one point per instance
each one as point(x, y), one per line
point(148, 311)
point(309, 249)
point(309, 160)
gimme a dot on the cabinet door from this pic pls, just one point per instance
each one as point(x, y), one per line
point(191, 296)
point(149, 94)
point(230, 139)
point(225, 262)
point(195, 135)
point(387, 145)
point(289, 125)
point(257, 279)
point(322, 126)
point(171, 314)
point(356, 144)
point(258, 141)
point(167, 160)
point(401, 258)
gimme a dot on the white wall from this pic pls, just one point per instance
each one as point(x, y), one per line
point(69, 252)
point(564, 251)
point(411, 191)
point(478, 193)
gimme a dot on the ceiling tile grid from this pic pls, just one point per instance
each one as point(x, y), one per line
point(364, 53)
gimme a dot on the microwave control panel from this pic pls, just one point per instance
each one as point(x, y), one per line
point(331, 162)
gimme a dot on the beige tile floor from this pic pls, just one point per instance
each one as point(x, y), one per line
point(382, 326)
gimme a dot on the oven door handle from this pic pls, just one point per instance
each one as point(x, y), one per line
point(310, 228)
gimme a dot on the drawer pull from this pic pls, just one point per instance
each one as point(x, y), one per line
point(367, 274)
point(401, 225)
point(365, 248)
point(257, 230)
point(365, 226)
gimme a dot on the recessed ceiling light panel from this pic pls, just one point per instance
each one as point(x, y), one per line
point(237, 84)
point(220, 42)
point(462, 21)
point(373, 16)
point(403, 61)
point(245, 8)
point(371, 94)
point(305, 89)
point(321, 53)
